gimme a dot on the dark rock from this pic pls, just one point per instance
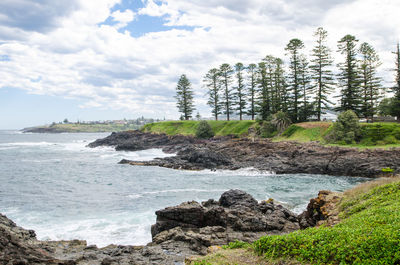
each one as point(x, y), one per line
point(237, 197)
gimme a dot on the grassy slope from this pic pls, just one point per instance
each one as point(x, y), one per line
point(367, 234)
point(376, 135)
point(220, 128)
point(81, 127)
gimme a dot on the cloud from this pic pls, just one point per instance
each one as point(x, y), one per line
point(123, 18)
point(72, 53)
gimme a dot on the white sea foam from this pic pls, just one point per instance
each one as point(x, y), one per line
point(123, 230)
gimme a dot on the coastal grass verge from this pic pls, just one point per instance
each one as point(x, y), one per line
point(220, 128)
point(368, 232)
point(85, 128)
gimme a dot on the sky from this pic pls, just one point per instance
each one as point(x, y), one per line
point(115, 59)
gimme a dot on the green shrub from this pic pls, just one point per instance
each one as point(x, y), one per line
point(204, 130)
point(267, 130)
point(390, 139)
point(237, 244)
point(281, 121)
point(347, 129)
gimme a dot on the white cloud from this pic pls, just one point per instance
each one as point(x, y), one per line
point(123, 18)
point(76, 56)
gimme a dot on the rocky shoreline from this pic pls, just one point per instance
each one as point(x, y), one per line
point(262, 154)
point(180, 232)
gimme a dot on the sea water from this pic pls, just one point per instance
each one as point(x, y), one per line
point(55, 185)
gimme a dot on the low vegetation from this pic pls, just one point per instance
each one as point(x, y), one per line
point(367, 234)
point(89, 128)
point(220, 128)
point(368, 135)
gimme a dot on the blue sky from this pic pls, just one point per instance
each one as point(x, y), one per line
point(114, 59)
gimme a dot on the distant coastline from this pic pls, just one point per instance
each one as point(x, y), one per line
point(90, 126)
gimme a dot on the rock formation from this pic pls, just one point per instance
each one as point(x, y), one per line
point(278, 157)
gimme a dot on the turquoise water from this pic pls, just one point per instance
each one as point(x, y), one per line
point(55, 185)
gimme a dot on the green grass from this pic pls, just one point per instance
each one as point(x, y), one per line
point(375, 135)
point(368, 234)
point(82, 127)
point(220, 128)
point(304, 132)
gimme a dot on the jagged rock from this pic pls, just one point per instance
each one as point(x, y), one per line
point(278, 157)
point(321, 210)
point(236, 216)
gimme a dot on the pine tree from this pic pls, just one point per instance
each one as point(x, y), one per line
point(211, 80)
point(396, 89)
point(239, 94)
point(280, 86)
point(252, 76)
point(349, 76)
point(321, 74)
point(293, 48)
point(226, 71)
point(263, 102)
point(306, 110)
point(184, 97)
point(370, 83)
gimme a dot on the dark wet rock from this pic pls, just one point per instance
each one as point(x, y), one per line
point(264, 155)
point(236, 216)
point(137, 140)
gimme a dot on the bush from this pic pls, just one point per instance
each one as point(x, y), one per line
point(267, 130)
point(204, 130)
point(281, 121)
point(347, 129)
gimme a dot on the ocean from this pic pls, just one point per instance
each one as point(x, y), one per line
point(55, 185)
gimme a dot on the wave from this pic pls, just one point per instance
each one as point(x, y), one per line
point(139, 195)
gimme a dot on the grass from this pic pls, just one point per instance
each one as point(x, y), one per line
point(304, 132)
point(82, 127)
point(376, 135)
point(369, 233)
point(220, 128)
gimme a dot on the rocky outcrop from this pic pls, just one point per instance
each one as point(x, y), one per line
point(236, 216)
point(278, 157)
point(137, 140)
point(322, 210)
point(180, 231)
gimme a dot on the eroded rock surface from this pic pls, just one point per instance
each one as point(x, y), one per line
point(278, 157)
point(236, 216)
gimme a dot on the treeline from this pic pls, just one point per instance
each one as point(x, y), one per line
point(304, 88)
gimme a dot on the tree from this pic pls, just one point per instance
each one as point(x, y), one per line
point(293, 48)
point(306, 111)
point(321, 74)
point(204, 130)
point(281, 121)
point(211, 79)
point(239, 95)
point(264, 100)
point(252, 75)
point(349, 77)
point(385, 107)
point(66, 120)
point(370, 83)
point(396, 88)
point(346, 129)
point(226, 72)
point(198, 116)
point(280, 87)
point(184, 97)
